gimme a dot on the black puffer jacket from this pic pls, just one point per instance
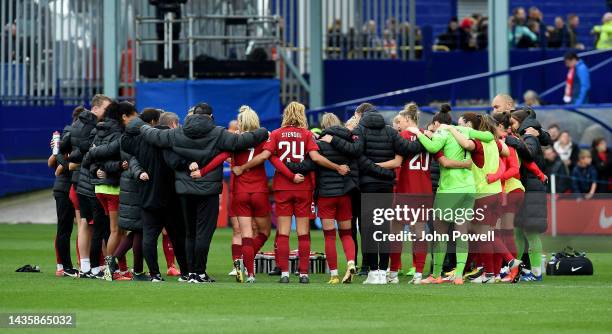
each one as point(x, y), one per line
point(200, 140)
point(105, 153)
point(329, 182)
point(533, 216)
point(129, 197)
point(82, 135)
point(157, 192)
point(79, 139)
point(376, 141)
point(62, 182)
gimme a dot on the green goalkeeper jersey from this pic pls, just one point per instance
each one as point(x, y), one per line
point(454, 180)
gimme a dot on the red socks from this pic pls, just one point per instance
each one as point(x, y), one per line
point(282, 252)
point(500, 247)
point(330, 249)
point(508, 237)
point(303, 252)
point(78, 254)
point(395, 259)
point(248, 254)
point(236, 252)
point(259, 241)
point(123, 264)
point(348, 244)
point(419, 254)
point(487, 249)
point(168, 250)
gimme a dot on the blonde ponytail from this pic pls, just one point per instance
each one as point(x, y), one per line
point(247, 119)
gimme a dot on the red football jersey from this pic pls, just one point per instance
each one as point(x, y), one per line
point(254, 180)
point(290, 143)
point(414, 176)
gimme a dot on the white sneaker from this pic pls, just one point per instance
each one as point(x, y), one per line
point(382, 277)
point(484, 279)
point(372, 277)
point(392, 278)
point(233, 272)
point(416, 279)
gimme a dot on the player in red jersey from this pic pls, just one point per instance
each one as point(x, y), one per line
point(414, 178)
point(250, 201)
point(293, 197)
point(236, 236)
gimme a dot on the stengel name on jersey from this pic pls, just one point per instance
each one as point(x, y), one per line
point(291, 134)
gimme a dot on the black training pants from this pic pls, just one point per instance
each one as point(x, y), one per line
point(65, 221)
point(153, 221)
point(200, 214)
point(380, 258)
point(101, 231)
point(356, 208)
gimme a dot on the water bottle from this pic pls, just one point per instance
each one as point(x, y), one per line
point(56, 141)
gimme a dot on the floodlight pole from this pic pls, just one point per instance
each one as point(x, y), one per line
point(499, 47)
point(110, 55)
point(316, 53)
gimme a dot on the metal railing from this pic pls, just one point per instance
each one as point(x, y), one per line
point(268, 25)
point(49, 48)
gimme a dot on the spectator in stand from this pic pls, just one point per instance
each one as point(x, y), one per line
point(603, 32)
point(335, 39)
point(572, 24)
point(389, 45)
point(520, 34)
point(526, 36)
point(578, 80)
point(557, 35)
point(450, 38)
point(602, 161)
point(554, 131)
point(482, 34)
point(404, 38)
point(535, 15)
point(392, 26)
point(554, 165)
point(467, 40)
point(371, 41)
point(567, 150)
point(584, 176)
point(531, 98)
point(520, 17)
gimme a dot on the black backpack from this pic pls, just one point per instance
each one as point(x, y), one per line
point(569, 262)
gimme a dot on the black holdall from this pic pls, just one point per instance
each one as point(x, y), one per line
point(569, 262)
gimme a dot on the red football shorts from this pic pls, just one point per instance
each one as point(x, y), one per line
point(337, 207)
point(73, 198)
point(230, 206)
point(293, 203)
point(514, 201)
point(250, 205)
point(491, 209)
point(110, 203)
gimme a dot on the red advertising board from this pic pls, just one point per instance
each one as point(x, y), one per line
point(587, 217)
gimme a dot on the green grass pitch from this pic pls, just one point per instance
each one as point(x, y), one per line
point(557, 305)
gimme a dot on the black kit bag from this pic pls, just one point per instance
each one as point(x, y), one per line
point(569, 262)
